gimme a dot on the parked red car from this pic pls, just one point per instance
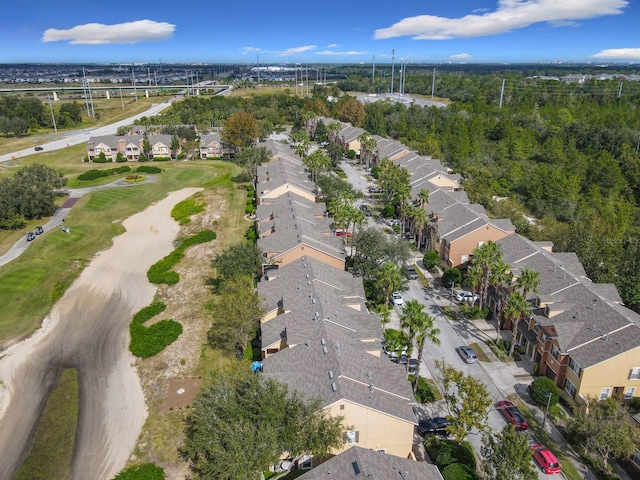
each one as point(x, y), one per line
point(512, 415)
point(546, 459)
point(343, 233)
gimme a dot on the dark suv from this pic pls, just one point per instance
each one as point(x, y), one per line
point(433, 426)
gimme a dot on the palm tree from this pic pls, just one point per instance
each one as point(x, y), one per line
point(358, 218)
point(332, 131)
point(501, 276)
point(515, 311)
point(389, 279)
point(484, 260)
point(367, 144)
point(421, 329)
point(420, 220)
point(423, 197)
point(528, 280)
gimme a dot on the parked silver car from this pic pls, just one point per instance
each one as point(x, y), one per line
point(467, 354)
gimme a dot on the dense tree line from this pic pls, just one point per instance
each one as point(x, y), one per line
point(19, 114)
point(29, 193)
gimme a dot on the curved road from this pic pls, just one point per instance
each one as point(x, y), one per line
point(78, 137)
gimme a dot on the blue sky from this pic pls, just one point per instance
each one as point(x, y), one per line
point(330, 31)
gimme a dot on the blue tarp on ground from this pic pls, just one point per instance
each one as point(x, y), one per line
point(256, 366)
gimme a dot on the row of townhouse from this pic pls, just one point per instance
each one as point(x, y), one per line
point(579, 333)
point(131, 146)
point(317, 335)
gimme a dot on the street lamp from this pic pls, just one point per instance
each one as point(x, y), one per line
point(546, 412)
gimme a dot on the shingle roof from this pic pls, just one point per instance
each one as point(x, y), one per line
point(360, 463)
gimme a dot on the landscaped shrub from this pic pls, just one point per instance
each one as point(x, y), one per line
point(101, 158)
point(388, 211)
point(424, 391)
point(160, 271)
point(351, 154)
point(120, 158)
point(633, 405)
point(451, 277)
point(251, 234)
point(148, 471)
point(161, 159)
point(458, 471)
point(93, 174)
point(184, 209)
point(474, 312)
point(148, 169)
point(539, 387)
point(430, 260)
point(149, 341)
point(500, 348)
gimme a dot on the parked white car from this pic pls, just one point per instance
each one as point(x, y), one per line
point(397, 299)
point(467, 297)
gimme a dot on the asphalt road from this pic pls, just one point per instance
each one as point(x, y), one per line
point(82, 136)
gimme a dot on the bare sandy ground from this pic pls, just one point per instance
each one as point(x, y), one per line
point(88, 330)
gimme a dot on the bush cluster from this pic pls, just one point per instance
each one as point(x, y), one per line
point(149, 341)
point(93, 174)
point(161, 159)
point(183, 210)
point(455, 460)
point(539, 387)
point(147, 471)
point(148, 169)
point(160, 272)
point(424, 391)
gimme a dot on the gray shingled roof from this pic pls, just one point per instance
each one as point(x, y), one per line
point(593, 325)
point(360, 463)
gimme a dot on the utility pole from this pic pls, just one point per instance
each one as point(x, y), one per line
point(84, 91)
point(121, 100)
point(433, 83)
point(133, 81)
point(393, 64)
point(620, 91)
point(53, 117)
point(502, 92)
point(373, 70)
point(258, 65)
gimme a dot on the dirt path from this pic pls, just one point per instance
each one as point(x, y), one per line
point(88, 330)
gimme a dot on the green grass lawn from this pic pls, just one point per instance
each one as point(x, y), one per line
point(31, 284)
point(51, 451)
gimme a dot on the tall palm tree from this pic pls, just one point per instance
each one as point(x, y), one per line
point(420, 327)
point(367, 144)
point(516, 309)
point(423, 197)
point(358, 218)
point(528, 280)
point(484, 260)
point(501, 276)
point(389, 279)
point(420, 220)
point(332, 131)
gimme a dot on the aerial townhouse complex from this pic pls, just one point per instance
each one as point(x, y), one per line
point(319, 338)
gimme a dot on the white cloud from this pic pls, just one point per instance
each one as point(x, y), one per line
point(333, 52)
point(619, 54)
point(251, 50)
point(509, 15)
point(294, 50)
point(460, 56)
point(333, 45)
point(100, 34)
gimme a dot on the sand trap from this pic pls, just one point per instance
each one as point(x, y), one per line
point(88, 330)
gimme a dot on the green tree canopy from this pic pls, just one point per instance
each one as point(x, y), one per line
point(507, 456)
point(241, 130)
point(236, 314)
point(467, 399)
point(241, 422)
point(243, 258)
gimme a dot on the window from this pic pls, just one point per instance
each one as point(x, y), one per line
point(352, 436)
point(306, 462)
point(341, 407)
point(480, 244)
point(575, 368)
point(604, 393)
point(464, 258)
point(629, 393)
point(554, 351)
point(634, 374)
point(570, 388)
